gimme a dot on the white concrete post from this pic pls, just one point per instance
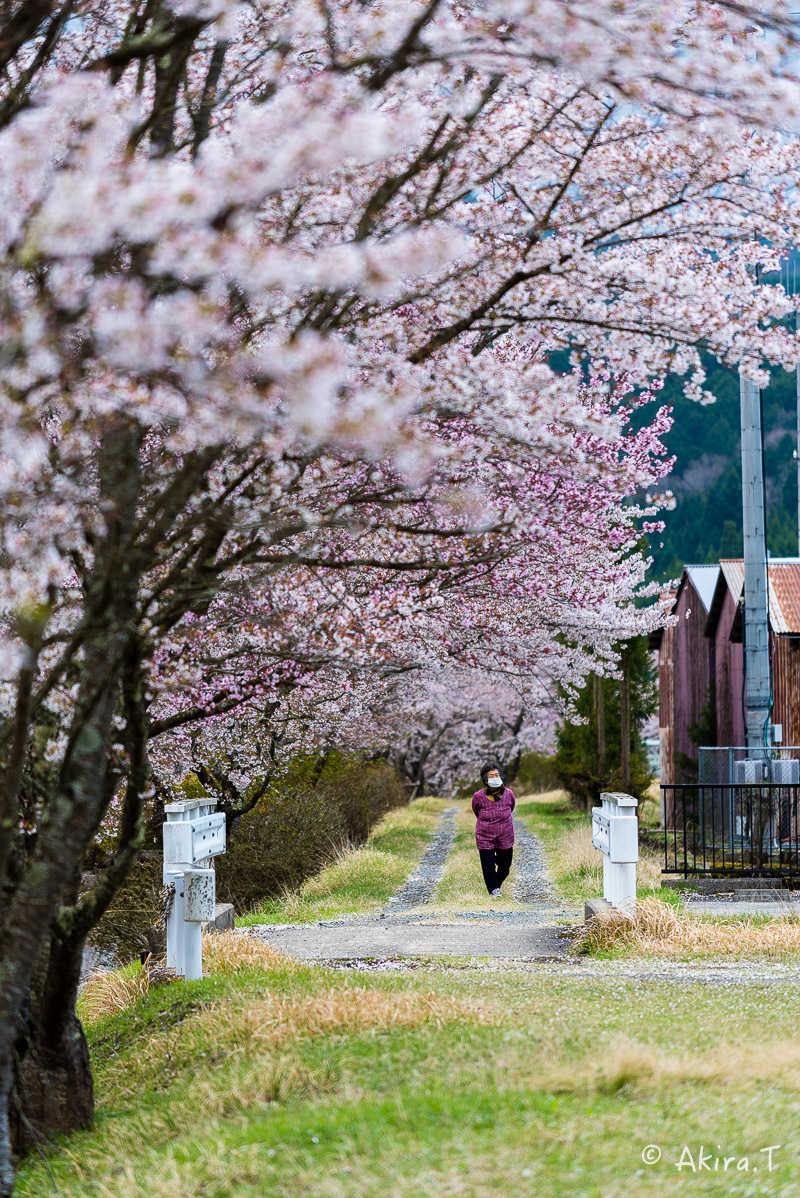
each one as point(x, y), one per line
point(615, 832)
point(194, 833)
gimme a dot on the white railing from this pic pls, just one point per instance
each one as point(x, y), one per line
point(615, 832)
point(194, 833)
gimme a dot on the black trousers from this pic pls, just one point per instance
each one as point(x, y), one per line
point(496, 865)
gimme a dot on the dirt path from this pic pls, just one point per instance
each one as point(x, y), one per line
point(533, 927)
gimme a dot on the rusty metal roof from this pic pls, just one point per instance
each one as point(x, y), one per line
point(733, 572)
point(784, 590)
point(784, 595)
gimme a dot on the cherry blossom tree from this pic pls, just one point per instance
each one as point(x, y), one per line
point(358, 657)
point(281, 285)
point(439, 728)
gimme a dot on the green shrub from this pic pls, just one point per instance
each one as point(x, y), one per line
point(301, 822)
point(125, 929)
point(288, 835)
point(537, 774)
point(363, 791)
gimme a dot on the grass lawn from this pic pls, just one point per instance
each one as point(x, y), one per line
point(279, 1079)
point(273, 1078)
point(360, 880)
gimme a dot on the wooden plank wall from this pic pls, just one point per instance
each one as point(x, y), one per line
point(693, 658)
point(728, 673)
point(786, 684)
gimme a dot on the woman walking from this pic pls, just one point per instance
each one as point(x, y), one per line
point(494, 831)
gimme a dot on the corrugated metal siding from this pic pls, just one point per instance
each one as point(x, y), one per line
point(733, 570)
point(704, 581)
point(784, 591)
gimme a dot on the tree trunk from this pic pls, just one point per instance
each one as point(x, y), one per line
point(48, 1078)
point(625, 721)
point(39, 1014)
point(60, 846)
point(600, 708)
point(53, 1086)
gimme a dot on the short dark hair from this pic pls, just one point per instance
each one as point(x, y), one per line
point(487, 768)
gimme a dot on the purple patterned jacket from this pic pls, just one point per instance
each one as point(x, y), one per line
point(495, 826)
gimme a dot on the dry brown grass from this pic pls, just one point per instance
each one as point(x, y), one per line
point(632, 1064)
point(275, 1019)
point(225, 952)
point(658, 927)
point(278, 1019)
point(575, 855)
point(106, 992)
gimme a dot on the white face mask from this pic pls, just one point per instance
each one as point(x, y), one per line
point(495, 782)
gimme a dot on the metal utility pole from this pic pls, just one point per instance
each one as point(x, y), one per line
point(797, 456)
point(756, 637)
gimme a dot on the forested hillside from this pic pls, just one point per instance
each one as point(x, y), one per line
point(707, 521)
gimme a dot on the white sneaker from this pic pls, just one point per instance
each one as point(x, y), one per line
point(497, 893)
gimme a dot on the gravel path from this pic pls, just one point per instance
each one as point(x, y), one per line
point(716, 973)
point(531, 881)
point(410, 927)
point(411, 933)
point(420, 886)
point(715, 906)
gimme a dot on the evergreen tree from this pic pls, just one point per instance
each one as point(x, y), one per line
point(590, 756)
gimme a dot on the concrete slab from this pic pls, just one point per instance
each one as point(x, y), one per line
point(776, 909)
point(311, 942)
point(224, 918)
point(594, 907)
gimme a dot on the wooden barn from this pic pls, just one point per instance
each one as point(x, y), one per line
point(700, 659)
point(685, 667)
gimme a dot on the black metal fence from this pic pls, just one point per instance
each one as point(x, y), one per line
point(740, 830)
